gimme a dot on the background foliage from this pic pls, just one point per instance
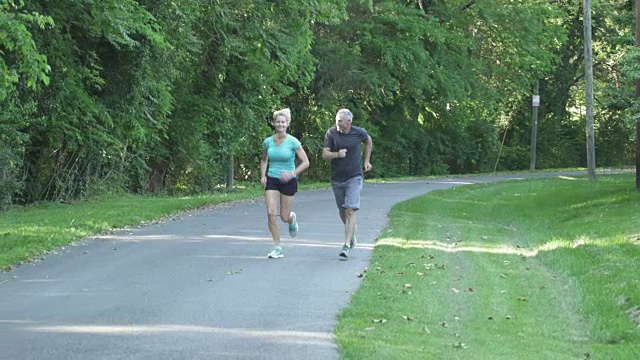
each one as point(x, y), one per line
point(168, 96)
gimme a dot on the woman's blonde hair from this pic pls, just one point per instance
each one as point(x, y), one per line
point(284, 112)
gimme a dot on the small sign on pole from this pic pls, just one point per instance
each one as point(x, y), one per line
point(535, 100)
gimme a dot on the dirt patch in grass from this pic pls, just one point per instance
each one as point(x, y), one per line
point(634, 315)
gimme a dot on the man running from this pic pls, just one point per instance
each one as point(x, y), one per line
point(342, 146)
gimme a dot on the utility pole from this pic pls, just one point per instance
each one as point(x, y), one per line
point(535, 102)
point(638, 95)
point(588, 57)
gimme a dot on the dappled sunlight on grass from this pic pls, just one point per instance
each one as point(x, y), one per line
point(600, 202)
point(40, 231)
point(450, 247)
point(496, 248)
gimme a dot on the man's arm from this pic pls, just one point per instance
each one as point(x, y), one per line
point(367, 154)
point(328, 155)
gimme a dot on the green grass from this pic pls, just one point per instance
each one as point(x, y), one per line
point(535, 269)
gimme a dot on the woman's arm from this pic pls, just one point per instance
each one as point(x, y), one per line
point(304, 161)
point(304, 164)
point(263, 168)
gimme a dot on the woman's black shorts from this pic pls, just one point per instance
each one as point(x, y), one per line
point(288, 188)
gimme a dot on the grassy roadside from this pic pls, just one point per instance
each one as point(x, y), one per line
point(27, 233)
point(536, 269)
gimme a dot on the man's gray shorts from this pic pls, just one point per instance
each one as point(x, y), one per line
point(347, 193)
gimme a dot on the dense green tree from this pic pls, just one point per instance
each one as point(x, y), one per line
point(104, 105)
point(433, 78)
point(23, 69)
point(159, 95)
point(21, 61)
point(561, 134)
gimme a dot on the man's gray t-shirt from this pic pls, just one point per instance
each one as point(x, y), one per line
point(343, 169)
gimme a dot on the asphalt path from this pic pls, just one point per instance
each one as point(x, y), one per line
point(199, 286)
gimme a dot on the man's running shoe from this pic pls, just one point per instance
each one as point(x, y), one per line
point(275, 253)
point(293, 227)
point(345, 251)
point(353, 242)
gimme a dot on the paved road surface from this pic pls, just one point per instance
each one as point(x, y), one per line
point(199, 286)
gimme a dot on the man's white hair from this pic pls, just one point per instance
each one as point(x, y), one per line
point(344, 114)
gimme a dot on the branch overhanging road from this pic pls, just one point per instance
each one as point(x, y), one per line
point(199, 285)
